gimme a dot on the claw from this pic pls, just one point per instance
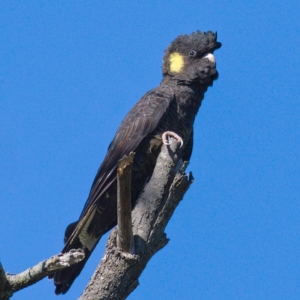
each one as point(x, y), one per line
point(165, 136)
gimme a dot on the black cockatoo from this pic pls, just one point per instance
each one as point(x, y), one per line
point(189, 68)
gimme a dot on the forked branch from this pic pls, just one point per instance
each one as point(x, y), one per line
point(117, 274)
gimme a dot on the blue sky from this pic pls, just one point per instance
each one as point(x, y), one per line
point(71, 70)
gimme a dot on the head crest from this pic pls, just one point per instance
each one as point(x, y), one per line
point(202, 42)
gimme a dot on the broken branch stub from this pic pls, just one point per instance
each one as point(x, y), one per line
point(117, 274)
point(125, 240)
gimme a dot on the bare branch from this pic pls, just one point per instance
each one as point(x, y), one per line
point(117, 274)
point(125, 240)
point(10, 284)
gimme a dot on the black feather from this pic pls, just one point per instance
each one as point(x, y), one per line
point(172, 106)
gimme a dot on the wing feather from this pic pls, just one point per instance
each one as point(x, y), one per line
point(141, 120)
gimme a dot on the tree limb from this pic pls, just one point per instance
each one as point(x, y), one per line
point(125, 236)
point(117, 274)
point(10, 284)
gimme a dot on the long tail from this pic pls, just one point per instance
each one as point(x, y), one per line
point(63, 279)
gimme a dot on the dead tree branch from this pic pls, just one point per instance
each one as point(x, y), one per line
point(117, 274)
point(125, 236)
point(9, 284)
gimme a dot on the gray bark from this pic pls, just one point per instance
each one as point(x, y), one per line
point(117, 274)
point(9, 284)
point(125, 240)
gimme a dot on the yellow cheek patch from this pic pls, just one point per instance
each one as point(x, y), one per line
point(176, 62)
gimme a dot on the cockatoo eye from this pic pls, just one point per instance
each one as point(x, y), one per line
point(193, 53)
